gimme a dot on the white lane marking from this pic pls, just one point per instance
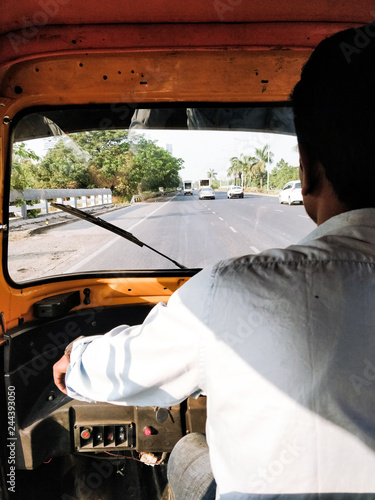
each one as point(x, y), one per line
point(276, 210)
point(304, 216)
point(255, 250)
point(221, 218)
point(232, 229)
point(110, 242)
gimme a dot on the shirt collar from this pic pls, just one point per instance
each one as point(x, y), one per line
point(364, 217)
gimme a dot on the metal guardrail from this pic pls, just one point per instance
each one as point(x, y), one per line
point(135, 198)
point(77, 198)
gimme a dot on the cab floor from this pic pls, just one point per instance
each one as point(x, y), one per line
point(90, 478)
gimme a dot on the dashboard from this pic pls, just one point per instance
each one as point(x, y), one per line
point(50, 424)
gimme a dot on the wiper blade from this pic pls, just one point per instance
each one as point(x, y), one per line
point(110, 227)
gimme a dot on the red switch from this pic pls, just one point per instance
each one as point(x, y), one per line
point(85, 433)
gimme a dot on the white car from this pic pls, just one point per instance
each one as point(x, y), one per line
point(206, 193)
point(235, 192)
point(291, 193)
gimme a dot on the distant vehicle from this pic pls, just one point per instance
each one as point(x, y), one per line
point(204, 183)
point(206, 193)
point(291, 193)
point(235, 192)
point(188, 187)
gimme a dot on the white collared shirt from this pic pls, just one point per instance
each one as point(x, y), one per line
point(282, 343)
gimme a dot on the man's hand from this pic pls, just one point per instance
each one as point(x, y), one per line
point(59, 371)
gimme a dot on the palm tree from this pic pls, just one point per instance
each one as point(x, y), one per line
point(243, 167)
point(263, 156)
point(236, 168)
point(211, 174)
point(248, 168)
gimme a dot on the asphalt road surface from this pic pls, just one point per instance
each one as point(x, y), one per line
point(191, 231)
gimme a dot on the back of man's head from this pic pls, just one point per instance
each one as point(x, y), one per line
point(334, 107)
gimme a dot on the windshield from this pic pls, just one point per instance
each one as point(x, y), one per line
point(141, 170)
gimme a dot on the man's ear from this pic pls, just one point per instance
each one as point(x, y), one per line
point(309, 171)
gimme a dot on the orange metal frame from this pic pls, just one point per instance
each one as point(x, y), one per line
point(56, 52)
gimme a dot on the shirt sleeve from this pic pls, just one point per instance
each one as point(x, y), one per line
point(158, 363)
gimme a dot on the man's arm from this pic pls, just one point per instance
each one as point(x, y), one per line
point(156, 363)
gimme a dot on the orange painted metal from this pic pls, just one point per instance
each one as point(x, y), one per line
point(153, 77)
point(52, 40)
point(59, 52)
point(16, 15)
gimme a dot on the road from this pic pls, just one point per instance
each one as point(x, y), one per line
point(191, 231)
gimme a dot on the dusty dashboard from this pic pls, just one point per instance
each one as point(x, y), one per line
point(49, 424)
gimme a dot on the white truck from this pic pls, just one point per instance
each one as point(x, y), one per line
point(188, 187)
point(204, 183)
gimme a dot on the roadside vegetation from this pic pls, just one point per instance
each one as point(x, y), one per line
point(98, 159)
point(283, 173)
point(251, 171)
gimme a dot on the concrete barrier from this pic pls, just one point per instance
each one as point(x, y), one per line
point(78, 198)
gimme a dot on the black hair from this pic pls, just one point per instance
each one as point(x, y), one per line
point(334, 113)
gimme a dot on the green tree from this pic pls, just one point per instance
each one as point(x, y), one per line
point(64, 166)
point(211, 174)
point(243, 168)
point(128, 165)
point(110, 158)
point(263, 157)
point(283, 173)
point(152, 166)
point(248, 169)
point(23, 168)
point(236, 169)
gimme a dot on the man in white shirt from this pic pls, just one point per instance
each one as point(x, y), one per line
point(282, 343)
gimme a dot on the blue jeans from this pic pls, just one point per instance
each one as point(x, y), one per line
point(189, 469)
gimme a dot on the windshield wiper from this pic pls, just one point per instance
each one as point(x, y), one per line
point(110, 227)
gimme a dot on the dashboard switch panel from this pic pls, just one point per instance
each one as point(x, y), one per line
point(101, 427)
point(106, 437)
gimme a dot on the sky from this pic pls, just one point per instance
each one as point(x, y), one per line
point(203, 150)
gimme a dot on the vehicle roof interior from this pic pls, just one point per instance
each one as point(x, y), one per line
point(173, 37)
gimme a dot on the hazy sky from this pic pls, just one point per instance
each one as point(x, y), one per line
point(203, 150)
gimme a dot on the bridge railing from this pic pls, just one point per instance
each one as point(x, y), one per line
point(30, 199)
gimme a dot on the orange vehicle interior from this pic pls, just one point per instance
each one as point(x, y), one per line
point(64, 53)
